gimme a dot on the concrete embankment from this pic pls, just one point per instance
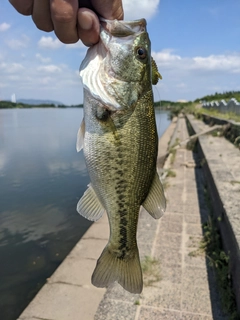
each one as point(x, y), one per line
point(221, 165)
point(231, 128)
point(177, 284)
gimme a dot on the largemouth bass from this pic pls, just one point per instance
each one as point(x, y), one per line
point(119, 140)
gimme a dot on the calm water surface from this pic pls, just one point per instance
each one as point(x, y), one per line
point(41, 179)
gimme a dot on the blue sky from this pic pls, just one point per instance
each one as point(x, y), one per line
point(196, 45)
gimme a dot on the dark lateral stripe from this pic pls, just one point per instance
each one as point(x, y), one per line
point(123, 236)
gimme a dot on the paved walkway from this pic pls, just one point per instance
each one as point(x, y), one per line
point(178, 286)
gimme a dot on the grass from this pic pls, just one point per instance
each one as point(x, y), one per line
point(151, 270)
point(234, 182)
point(198, 112)
point(237, 142)
point(173, 151)
point(165, 184)
point(171, 173)
point(217, 114)
point(173, 156)
point(191, 144)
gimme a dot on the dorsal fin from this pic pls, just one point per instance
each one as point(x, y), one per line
point(155, 73)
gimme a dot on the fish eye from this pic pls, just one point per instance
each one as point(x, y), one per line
point(141, 53)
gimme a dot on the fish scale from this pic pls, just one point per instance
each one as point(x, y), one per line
point(120, 149)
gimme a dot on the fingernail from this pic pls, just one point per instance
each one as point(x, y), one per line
point(85, 22)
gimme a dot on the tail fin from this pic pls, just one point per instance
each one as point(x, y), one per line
point(127, 272)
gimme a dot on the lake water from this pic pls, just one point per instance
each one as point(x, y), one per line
point(41, 179)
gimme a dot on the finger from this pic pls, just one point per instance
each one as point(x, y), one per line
point(88, 26)
point(41, 15)
point(23, 6)
point(109, 9)
point(64, 18)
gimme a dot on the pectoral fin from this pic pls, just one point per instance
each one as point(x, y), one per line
point(155, 203)
point(89, 205)
point(80, 136)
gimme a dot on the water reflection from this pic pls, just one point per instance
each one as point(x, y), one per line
point(41, 179)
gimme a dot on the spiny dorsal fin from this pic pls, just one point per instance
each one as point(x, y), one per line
point(155, 203)
point(155, 73)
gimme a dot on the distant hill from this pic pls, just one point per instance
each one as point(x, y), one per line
point(39, 102)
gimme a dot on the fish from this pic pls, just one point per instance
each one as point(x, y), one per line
point(119, 139)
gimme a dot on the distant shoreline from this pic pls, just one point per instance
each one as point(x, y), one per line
point(20, 105)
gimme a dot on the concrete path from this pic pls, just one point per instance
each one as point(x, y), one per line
point(176, 284)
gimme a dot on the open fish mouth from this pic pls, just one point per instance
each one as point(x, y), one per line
point(107, 64)
point(122, 28)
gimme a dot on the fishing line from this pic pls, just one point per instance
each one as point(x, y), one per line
point(159, 107)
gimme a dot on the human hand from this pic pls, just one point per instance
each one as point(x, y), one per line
point(71, 20)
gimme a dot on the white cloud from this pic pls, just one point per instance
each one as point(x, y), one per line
point(77, 45)
point(42, 59)
point(134, 9)
point(14, 77)
point(218, 62)
point(22, 42)
point(3, 85)
point(4, 26)
point(229, 62)
point(49, 68)
point(192, 77)
point(165, 57)
point(46, 80)
point(11, 67)
point(181, 85)
point(49, 43)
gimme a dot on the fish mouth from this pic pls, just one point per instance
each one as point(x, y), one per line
point(99, 76)
point(122, 28)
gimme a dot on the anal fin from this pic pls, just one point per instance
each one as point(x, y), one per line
point(155, 203)
point(89, 206)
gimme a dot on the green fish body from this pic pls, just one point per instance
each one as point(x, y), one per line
point(119, 140)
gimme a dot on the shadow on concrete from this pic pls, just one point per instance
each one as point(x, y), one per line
point(205, 213)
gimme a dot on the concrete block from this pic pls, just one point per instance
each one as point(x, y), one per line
point(88, 249)
point(63, 301)
point(97, 231)
point(155, 314)
point(166, 296)
point(75, 271)
point(115, 309)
